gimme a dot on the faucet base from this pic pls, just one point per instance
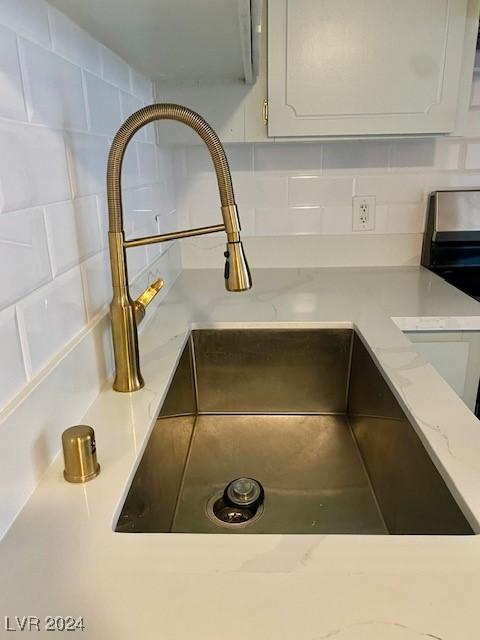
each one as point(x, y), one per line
point(128, 377)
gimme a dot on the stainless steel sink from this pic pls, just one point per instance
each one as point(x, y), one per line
point(305, 413)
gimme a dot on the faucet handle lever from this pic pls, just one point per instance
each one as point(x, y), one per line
point(145, 298)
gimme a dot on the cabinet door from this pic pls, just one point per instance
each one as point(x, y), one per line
point(456, 357)
point(359, 67)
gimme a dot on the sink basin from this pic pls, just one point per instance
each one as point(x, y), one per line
point(307, 414)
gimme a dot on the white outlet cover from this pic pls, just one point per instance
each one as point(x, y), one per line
point(363, 213)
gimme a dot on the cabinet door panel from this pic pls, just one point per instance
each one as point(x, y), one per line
point(349, 67)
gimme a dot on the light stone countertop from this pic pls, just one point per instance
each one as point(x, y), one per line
point(62, 557)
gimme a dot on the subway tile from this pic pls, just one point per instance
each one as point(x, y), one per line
point(137, 261)
point(12, 371)
point(406, 218)
point(33, 167)
point(169, 221)
point(355, 156)
point(130, 104)
point(288, 156)
point(239, 156)
point(202, 190)
point(154, 251)
point(315, 190)
point(97, 283)
point(147, 163)
point(27, 17)
point(337, 220)
point(24, 256)
point(262, 190)
point(74, 232)
point(114, 69)
point(141, 86)
point(391, 188)
point(73, 42)
point(53, 88)
point(12, 102)
point(103, 105)
point(34, 429)
point(247, 220)
point(306, 220)
point(273, 221)
point(413, 154)
point(199, 216)
point(164, 189)
point(140, 212)
point(50, 317)
point(472, 159)
point(87, 159)
point(150, 132)
point(447, 155)
point(382, 219)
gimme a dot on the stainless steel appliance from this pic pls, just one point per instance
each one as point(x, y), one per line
point(451, 245)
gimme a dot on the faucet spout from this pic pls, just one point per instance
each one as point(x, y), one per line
point(126, 313)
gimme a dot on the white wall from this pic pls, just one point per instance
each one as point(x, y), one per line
point(62, 97)
point(289, 190)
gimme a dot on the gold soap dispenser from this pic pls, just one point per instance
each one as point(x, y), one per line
point(80, 454)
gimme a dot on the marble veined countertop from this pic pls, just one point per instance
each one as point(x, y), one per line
point(61, 556)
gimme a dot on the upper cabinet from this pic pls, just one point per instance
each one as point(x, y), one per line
point(177, 41)
point(369, 67)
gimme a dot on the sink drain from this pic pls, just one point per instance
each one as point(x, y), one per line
point(239, 505)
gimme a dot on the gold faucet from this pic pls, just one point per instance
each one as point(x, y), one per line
point(126, 313)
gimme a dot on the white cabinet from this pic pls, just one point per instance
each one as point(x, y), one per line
point(368, 67)
point(456, 357)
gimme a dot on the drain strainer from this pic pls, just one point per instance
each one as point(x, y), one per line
point(239, 505)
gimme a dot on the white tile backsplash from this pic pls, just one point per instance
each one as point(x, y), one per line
point(290, 157)
point(356, 156)
point(472, 158)
point(307, 220)
point(103, 101)
point(50, 317)
point(33, 166)
point(405, 218)
point(12, 371)
point(27, 17)
point(147, 163)
point(96, 283)
point(141, 86)
point(279, 185)
point(337, 220)
point(129, 104)
point(63, 96)
point(272, 221)
point(74, 231)
point(53, 88)
point(114, 69)
point(72, 42)
point(24, 256)
point(12, 104)
point(317, 190)
point(391, 188)
point(87, 161)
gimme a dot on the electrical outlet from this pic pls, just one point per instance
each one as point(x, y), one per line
point(363, 213)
